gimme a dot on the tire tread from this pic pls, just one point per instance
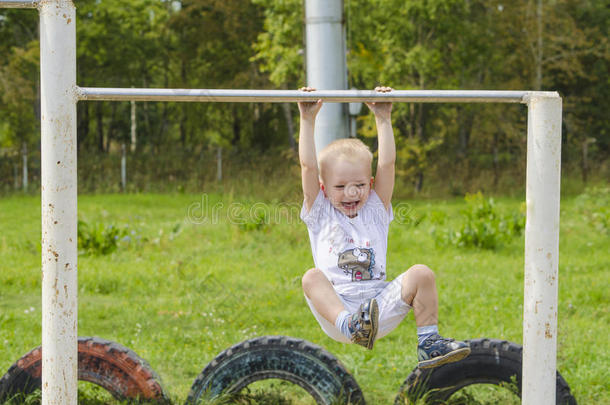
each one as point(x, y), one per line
point(108, 364)
point(308, 352)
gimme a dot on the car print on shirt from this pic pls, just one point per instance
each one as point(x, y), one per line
point(358, 262)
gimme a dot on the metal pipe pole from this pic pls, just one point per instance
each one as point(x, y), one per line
point(326, 64)
point(134, 127)
point(59, 217)
point(289, 96)
point(24, 163)
point(123, 168)
point(19, 3)
point(541, 249)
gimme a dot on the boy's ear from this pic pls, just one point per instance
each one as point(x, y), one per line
point(322, 188)
point(372, 181)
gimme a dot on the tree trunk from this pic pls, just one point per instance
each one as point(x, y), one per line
point(83, 124)
point(419, 123)
point(16, 175)
point(236, 127)
point(183, 126)
point(289, 125)
point(24, 177)
point(134, 127)
point(36, 105)
point(466, 119)
point(164, 106)
point(421, 134)
point(496, 160)
point(164, 122)
point(100, 126)
point(219, 164)
point(419, 181)
point(585, 159)
point(147, 123)
point(539, 44)
point(112, 127)
point(183, 117)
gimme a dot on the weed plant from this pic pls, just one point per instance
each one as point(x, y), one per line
point(482, 226)
point(100, 239)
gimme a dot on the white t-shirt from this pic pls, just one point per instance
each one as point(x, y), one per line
point(349, 249)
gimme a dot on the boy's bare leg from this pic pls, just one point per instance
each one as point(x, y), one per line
point(322, 294)
point(419, 291)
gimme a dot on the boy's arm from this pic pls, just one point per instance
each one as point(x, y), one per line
point(384, 178)
point(307, 150)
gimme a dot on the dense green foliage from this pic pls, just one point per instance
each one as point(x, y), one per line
point(482, 226)
point(100, 239)
point(416, 44)
point(197, 282)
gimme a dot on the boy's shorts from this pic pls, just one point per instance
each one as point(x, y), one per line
point(392, 309)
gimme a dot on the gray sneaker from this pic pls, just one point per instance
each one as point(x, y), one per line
point(364, 323)
point(437, 350)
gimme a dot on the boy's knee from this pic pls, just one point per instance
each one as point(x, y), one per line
point(422, 272)
point(309, 278)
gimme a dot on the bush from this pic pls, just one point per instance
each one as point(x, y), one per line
point(99, 239)
point(482, 225)
point(255, 222)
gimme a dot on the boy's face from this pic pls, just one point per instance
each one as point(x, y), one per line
point(347, 185)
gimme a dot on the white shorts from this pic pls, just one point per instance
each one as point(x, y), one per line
point(392, 309)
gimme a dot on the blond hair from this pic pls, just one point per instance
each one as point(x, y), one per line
point(347, 149)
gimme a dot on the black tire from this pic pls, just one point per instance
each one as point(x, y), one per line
point(300, 362)
point(110, 365)
point(491, 361)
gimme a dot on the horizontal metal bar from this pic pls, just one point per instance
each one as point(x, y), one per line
point(19, 3)
point(283, 96)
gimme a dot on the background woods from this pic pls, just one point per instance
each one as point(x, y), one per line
point(420, 44)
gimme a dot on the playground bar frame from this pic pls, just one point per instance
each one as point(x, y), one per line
point(58, 202)
point(59, 95)
point(289, 96)
point(19, 3)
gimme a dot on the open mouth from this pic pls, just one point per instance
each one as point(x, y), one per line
point(350, 205)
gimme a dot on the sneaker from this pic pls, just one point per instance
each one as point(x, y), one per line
point(364, 323)
point(437, 350)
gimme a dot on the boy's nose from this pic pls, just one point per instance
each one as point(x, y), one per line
point(351, 191)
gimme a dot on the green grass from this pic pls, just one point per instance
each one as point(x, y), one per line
point(181, 291)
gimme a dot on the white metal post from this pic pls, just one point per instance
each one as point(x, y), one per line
point(123, 168)
point(219, 164)
point(134, 126)
point(59, 217)
point(541, 249)
point(326, 64)
point(24, 163)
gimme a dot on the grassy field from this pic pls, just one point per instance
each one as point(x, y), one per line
point(187, 280)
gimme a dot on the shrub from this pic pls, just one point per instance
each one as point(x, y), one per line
point(99, 239)
point(482, 225)
point(256, 222)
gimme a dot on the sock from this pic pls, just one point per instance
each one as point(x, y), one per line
point(423, 332)
point(342, 323)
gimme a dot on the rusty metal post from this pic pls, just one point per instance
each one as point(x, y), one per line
point(541, 249)
point(58, 188)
